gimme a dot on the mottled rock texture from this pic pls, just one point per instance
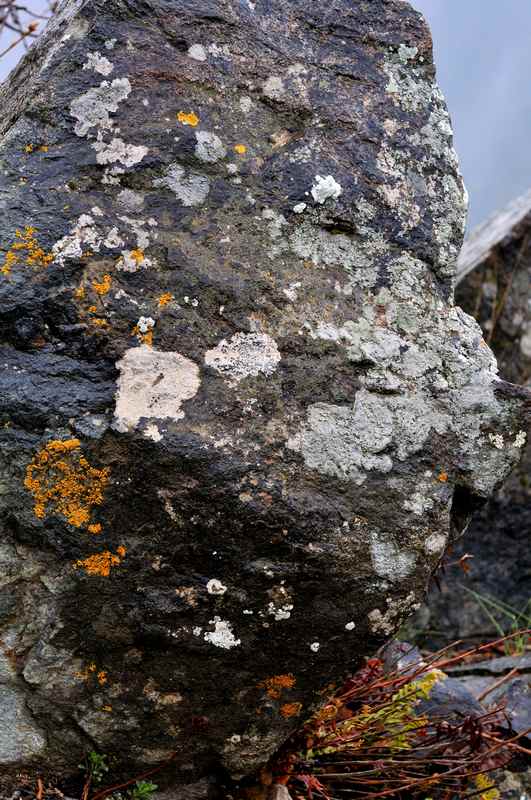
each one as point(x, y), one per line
point(495, 287)
point(241, 415)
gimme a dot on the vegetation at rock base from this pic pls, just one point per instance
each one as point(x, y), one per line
point(375, 738)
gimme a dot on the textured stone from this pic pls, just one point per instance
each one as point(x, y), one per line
point(234, 361)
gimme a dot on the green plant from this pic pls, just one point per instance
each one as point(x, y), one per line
point(96, 767)
point(506, 619)
point(143, 790)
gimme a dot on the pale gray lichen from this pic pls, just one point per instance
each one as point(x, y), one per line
point(119, 151)
point(93, 108)
point(98, 63)
point(209, 147)
point(389, 560)
point(191, 189)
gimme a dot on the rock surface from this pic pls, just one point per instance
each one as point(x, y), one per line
point(241, 415)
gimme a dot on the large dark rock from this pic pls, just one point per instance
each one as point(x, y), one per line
point(242, 218)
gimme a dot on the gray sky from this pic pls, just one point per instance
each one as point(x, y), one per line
point(483, 57)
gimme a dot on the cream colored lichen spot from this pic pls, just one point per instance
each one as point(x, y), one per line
point(244, 355)
point(153, 385)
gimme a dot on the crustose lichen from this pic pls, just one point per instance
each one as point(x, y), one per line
point(63, 482)
point(25, 249)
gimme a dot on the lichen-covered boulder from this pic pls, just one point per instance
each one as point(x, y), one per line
point(241, 415)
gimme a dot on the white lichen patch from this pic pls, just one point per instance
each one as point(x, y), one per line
point(325, 188)
point(246, 104)
point(197, 52)
point(98, 63)
point(389, 560)
point(119, 151)
point(389, 621)
point(244, 355)
point(280, 612)
point(209, 147)
point(315, 647)
point(222, 635)
point(93, 108)
point(274, 88)
point(496, 439)
point(152, 432)
point(520, 439)
point(435, 544)
point(350, 626)
point(300, 208)
point(215, 586)
point(191, 189)
point(153, 385)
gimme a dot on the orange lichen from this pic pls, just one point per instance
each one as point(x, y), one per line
point(145, 337)
point(443, 477)
point(290, 709)
point(25, 249)
point(103, 287)
point(164, 299)
point(241, 149)
point(101, 563)
point(63, 482)
point(99, 322)
point(97, 528)
point(102, 677)
point(188, 118)
point(276, 684)
point(93, 309)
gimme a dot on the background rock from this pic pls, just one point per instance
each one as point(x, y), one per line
point(242, 220)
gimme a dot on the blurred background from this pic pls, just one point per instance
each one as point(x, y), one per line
point(483, 57)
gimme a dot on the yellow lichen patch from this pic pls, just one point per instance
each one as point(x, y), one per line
point(25, 249)
point(188, 118)
point(240, 149)
point(95, 529)
point(486, 787)
point(164, 299)
point(80, 293)
point(104, 286)
point(290, 709)
point(63, 482)
point(29, 148)
point(107, 709)
point(101, 563)
point(99, 322)
point(44, 148)
point(276, 684)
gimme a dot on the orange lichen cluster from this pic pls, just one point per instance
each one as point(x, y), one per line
point(104, 286)
point(25, 249)
point(276, 684)
point(164, 299)
point(188, 118)
point(288, 710)
point(241, 149)
point(443, 477)
point(63, 482)
point(30, 148)
point(102, 563)
point(92, 671)
point(138, 255)
point(95, 529)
